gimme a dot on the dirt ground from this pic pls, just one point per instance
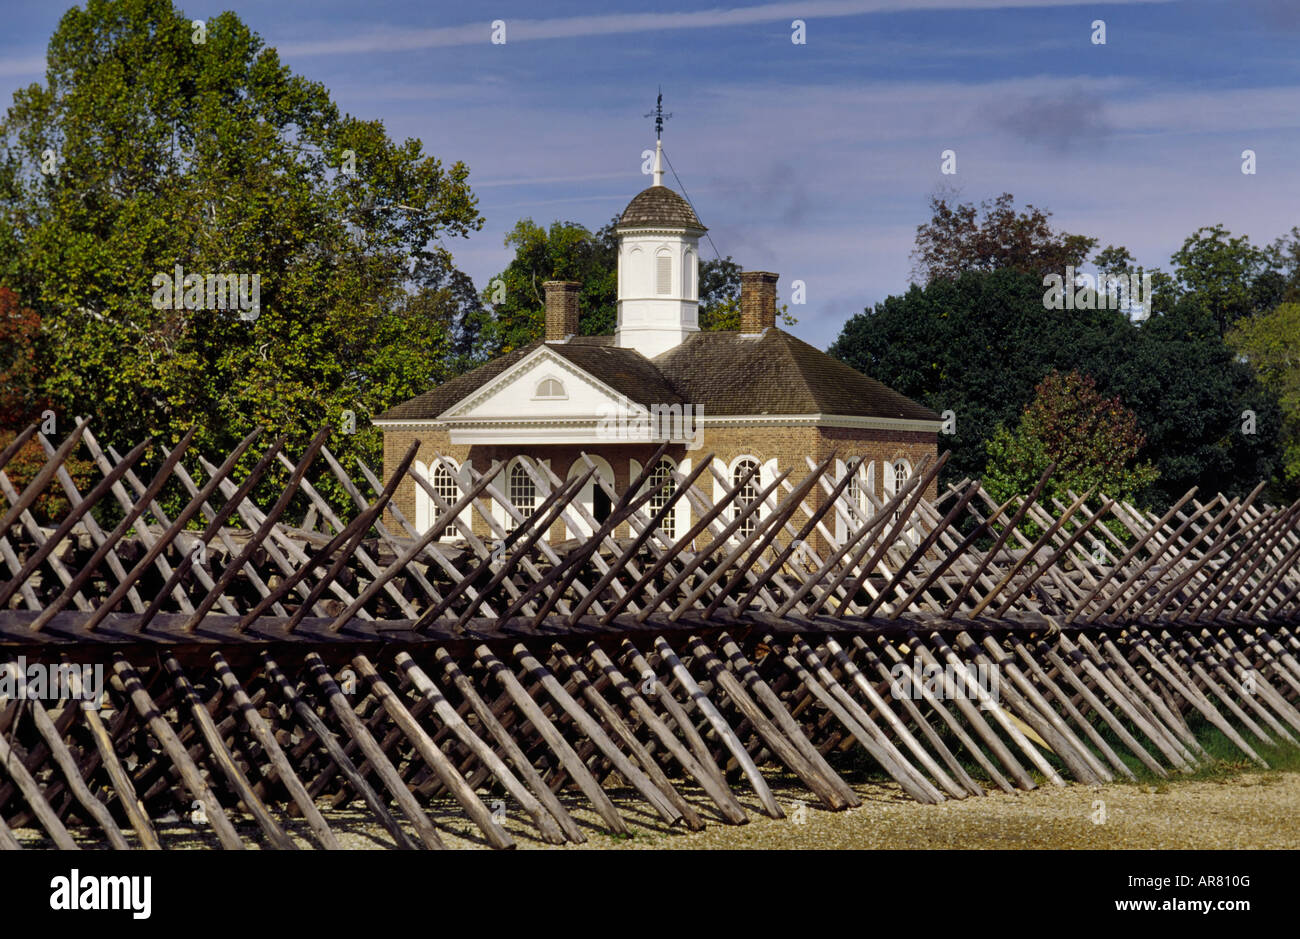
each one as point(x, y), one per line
point(1255, 810)
point(1250, 810)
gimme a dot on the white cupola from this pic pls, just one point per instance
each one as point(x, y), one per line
point(658, 269)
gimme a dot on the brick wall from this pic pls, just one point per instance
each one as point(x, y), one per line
point(787, 445)
point(561, 459)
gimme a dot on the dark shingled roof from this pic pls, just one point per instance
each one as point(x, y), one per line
point(659, 206)
point(625, 370)
point(726, 372)
point(723, 373)
point(433, 402)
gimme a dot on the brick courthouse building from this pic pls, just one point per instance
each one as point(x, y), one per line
point(756, 396)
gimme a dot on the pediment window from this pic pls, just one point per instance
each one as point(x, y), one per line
point(550, 389)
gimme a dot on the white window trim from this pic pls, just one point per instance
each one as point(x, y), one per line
point(427, 511)
point(758, 481)
point(674, 469)
point(845, 521)
point(684, 503)
point(891, 481)
point(537, 390)
point(891, 486)
point(502, 483)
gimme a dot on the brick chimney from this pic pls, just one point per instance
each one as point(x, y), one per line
point(561, 309)
point(757, 301)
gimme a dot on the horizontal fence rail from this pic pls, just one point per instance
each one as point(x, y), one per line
point(222, 665)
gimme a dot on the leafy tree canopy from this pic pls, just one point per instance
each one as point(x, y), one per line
point(21, 397)
point(146, 150)
point(1227, 277)
point(1093, 440)
point(978, 338)
point(1270, 341)
point(565, 251)
point(979, 345)
point(992, 236)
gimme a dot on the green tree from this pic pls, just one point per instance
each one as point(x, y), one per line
point(1226, 277)
point(992, 236)
point(214, 157)
point(1094, 441)
point(1284, 264)
point(23, 401)
point(976, 345)
point(719, 293)
point(565, 251)
point(1271, 343)
point(1189, 391)
point(720, 296)
point(980, 344)
point(1114, 260)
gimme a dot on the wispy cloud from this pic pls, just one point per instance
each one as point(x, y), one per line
point(543, 180)
point(571, 200)
point(572, 27)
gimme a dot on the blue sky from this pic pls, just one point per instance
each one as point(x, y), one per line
point(817, 160)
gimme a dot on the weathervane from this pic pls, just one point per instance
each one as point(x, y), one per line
point(659, 115)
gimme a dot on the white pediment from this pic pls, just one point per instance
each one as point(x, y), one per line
point(543, 386)
point(544, 399)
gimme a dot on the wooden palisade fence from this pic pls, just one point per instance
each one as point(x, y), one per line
point(256, 673)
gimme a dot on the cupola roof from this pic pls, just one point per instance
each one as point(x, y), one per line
point(659, 207)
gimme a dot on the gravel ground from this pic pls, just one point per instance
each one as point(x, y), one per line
point(1251, 810)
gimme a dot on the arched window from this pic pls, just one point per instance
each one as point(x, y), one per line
point(748, 492)
point(521, 492)
point(688, 275)
point(550, 388)
point(902, 473)
point(664, 272)
point(663, 473)
point(856, 500)
point(896, 474)
point(856, 490)
point(445, 485)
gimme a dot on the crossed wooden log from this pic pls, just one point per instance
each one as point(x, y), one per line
point(511, 686)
